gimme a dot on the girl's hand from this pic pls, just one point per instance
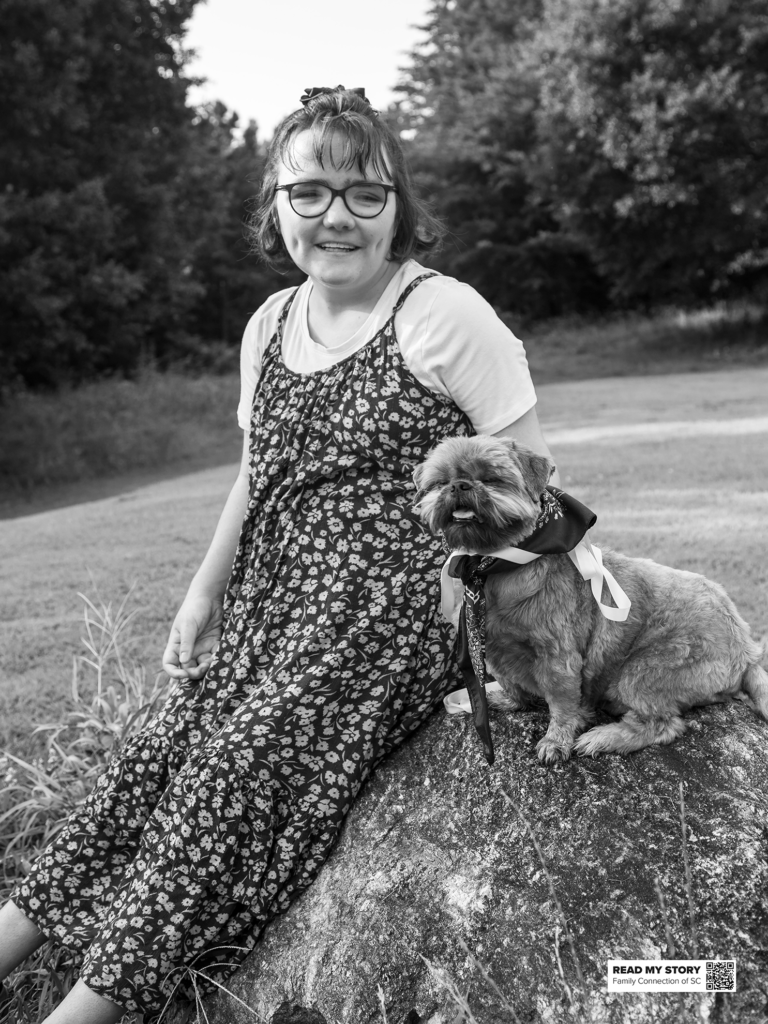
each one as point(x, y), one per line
point(195, 635)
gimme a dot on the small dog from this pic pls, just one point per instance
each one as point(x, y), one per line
point(683, 643)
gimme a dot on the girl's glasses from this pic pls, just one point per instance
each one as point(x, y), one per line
point(313, 199)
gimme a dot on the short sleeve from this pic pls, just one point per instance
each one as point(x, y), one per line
point(472, 356)
point(258, 332)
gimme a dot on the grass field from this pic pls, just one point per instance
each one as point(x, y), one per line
point(82, 443)
point(675, 466)
point(109, 436)
point(628, 345)
point(699, 502)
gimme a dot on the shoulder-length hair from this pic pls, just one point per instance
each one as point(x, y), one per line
point(367, 140)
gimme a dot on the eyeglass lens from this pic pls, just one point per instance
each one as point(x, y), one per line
point(310, 199)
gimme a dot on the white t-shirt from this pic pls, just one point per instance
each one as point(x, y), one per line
point(449, 336)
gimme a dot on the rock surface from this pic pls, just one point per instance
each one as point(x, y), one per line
point(435, 867)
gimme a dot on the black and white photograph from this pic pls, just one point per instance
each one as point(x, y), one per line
point(384, 512)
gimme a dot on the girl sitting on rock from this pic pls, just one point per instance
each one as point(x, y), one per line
point(309, 644)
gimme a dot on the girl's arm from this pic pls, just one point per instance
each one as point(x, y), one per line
point(196, 630)
point(528, 430)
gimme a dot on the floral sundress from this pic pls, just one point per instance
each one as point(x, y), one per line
point(222, 811)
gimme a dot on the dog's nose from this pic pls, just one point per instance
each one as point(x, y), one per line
point(460, 485)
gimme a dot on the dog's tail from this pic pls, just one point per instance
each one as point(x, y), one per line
point(754, 682)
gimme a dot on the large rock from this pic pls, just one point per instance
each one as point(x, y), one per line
point(436, 879)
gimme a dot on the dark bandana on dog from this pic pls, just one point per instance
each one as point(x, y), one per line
point(562, 524)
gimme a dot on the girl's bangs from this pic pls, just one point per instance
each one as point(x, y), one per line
point(362, 145)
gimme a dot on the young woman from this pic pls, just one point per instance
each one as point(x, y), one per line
point(310, 643)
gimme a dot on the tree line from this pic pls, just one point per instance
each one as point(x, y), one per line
point(122, 207)
point(596, 153)
point(585, 155)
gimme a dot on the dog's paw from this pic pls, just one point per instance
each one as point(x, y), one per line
point(550, 751)
point(592, 743)
point(630, 734)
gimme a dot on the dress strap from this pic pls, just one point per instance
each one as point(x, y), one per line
point(285, 310)
point(407, 291)
point(276, 341)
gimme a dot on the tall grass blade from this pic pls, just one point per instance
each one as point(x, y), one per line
point(109, 700)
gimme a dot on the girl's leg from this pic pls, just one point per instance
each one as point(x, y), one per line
point(19, 937)
point(84, 1006)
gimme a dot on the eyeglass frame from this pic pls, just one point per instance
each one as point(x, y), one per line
point(338, 192)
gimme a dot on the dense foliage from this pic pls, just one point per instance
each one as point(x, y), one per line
point(653, 140)
point(585, 154)
point(471, 97)
point(121, 237)
point(587, 151)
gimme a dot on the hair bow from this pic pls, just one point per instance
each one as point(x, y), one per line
point(310, 94)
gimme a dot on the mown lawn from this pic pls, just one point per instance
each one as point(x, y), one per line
point(691, 492)
point(108, 436)
point(698, 502)
point(111, 435)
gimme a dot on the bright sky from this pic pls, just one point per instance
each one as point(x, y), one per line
point(260, 55)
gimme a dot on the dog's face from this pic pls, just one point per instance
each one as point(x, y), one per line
point(481, 492)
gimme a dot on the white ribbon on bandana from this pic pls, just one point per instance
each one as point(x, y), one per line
point(588, 559)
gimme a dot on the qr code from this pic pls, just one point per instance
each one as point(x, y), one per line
point(721, 975)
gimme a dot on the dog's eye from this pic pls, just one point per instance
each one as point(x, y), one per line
point(492, 480)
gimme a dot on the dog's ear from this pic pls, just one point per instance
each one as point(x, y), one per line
point(540, 470)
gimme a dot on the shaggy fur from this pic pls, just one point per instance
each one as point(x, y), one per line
point(684, 643)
